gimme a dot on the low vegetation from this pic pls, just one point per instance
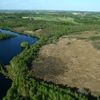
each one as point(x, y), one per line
point(4, 36)
point(25, 44)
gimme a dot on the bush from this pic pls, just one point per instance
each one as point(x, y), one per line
point(25, 44)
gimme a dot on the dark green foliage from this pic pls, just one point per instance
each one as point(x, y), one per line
point(93, 38)
point(25, 44)
point(31, 89)
point(4, 36)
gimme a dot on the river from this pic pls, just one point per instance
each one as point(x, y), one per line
point(8, 49)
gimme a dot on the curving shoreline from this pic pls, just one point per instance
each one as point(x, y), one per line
point(4, 36)
point(9, 48)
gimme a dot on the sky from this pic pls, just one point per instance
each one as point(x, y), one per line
point(76, 5)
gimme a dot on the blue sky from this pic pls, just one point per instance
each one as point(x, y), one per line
point(82, 5)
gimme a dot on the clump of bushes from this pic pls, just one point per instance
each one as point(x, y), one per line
point(4, 36)
point(25, 44)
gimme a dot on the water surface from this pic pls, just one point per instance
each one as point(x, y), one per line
point(8, 49)
point(11, 47)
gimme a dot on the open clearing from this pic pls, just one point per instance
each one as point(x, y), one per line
point(71, 62)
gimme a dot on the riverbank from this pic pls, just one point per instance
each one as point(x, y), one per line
point(10, 46)
point(4, 36)
point(13, 45)
point(5, 83)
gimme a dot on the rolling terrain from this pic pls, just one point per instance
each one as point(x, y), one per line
point(64, 62)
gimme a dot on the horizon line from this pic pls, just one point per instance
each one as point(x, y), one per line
point(48, 10)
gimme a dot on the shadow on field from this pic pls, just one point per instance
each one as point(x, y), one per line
point(48, 67)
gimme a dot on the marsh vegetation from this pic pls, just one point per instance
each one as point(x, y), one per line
point(6, 36)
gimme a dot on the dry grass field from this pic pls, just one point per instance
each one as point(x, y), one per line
point(71, 62)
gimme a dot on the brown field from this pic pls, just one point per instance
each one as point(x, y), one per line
point(71, 62)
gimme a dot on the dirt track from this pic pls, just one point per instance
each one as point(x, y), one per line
point(70, 61)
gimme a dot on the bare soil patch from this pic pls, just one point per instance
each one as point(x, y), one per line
point(71, 62)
